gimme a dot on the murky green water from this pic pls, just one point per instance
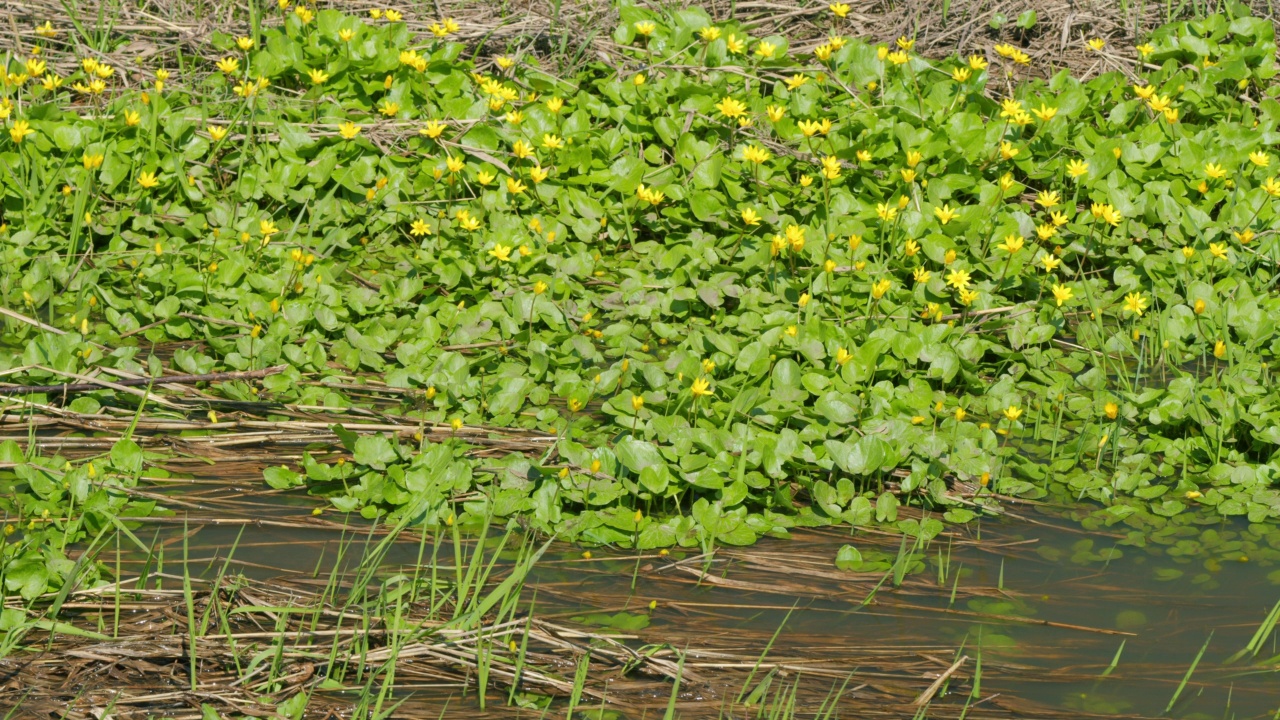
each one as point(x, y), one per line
point(1044, 606)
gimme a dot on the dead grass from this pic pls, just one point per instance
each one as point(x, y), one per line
point(569, 33)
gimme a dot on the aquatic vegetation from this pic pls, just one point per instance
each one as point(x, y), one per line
point(744, 291)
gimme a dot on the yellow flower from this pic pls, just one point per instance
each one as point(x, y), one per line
point(864, 156)
point(961, 74)
point(920, 275)
point(910, 248)
point(977, 62)
point(731, 108)
point(754, 154)
point(420, 228)
point(949, 257)
point(1135, 303)
point(148, 180)
point(348, 130)
point(46, 30)
point(814, 127)
point(1260, 158)
point(839, 9)
point(765, 49)
point(1158, 102)
point(389, 108)
point(500, 252)
point(945, 214)
point(1059, 219)
point(470, 224)
point(645, 28)
point(1219, 349)
point(539, 287)
point(552, 142)
point(886, 212)
point(393, 16)
point(346, 34)
point(1048, 198)
point(637, 402)
point(1214, 171)
point(522, 149)
point(1145, 49)
point(20, 130)
point(831, 167)
point(1050, 262)
point(537, 174)
point(1076, 168)
point(35, 67)
point(880, 287)
point(228, 65)
point(796, 81)
point(701, 388)
point(1144, 91)
point(1046, 231)
point(433, 129)
point(1062, 293)
point(514, 186)
point(1218, 250)
point(958, 279)
point(854, 242)
point(795, 237)
point(1104, 211)
point(1008, 151)
point(1198, 307)
point(776, 112)
point(1245, 237)
point(1045, 113)
point(1013, 412)
point(898, 57)
point(843, 356)
point(244, 43)
point(638, 80)
point(734, 45)
point(804, 300)
point(908, 175)
point(750, 217)
point(1006, 182)
point(710, 33)
point(318, 76)
point(92, 161)
point(454, 164)
point(1012, 243)
point(484, 177)
point(1097, 44)
point(823, 52)
point(1171, 115)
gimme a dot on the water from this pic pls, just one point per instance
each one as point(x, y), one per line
point(1034, 598)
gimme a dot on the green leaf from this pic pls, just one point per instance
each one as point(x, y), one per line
point(375, 451)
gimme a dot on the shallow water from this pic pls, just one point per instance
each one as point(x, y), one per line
point(1007, 593)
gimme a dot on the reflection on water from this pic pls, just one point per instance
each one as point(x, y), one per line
point(1046, 608)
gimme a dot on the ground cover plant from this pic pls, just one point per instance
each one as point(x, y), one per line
point(709, 292)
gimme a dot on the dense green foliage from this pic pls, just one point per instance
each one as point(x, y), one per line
point(745, 289)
